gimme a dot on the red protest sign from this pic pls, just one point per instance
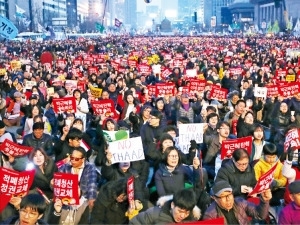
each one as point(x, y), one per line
point(144, 69)
point(163, 89)
point(60, 63)
point(237, 71)
point(264, 181)
point(15, 183)
point(197, 85)
point(5, 198)
point(66, 187)
point(92, 69)
point(292, 138)
point(217, 221)
point(10, 148)
point(288, 90)
point(81, 85)
point(66, 104)
point(218, 93)
point(77, 62)
point(132, 63)
point(165, 73)
point(105, 106)
point(115, 65)
point(130, 191)
point(272, 91)
point(280, 73)
point(151, 90)
point(229, 146)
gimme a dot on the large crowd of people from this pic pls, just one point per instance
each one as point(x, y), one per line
point(170, 185)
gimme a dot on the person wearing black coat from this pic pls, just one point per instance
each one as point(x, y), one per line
point(238, 172)
point(245, 124)
point(111, 204)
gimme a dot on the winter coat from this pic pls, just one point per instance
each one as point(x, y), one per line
point(42, 180)
point(14, 219)
point(170, 182)
point(261, 167)
point(158, 215)
point(45, 142)
point(242, 210)
point(107, 210)
point(236, 178)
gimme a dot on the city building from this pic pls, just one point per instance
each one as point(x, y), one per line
point(267, 11)
point(4, 8)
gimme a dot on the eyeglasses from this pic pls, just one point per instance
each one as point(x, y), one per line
point(225, 197)
point(75, 158)
point(242, 164)
point(30, 214)
point(152, 118)
point(173, 156)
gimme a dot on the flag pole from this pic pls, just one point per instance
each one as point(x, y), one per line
point(102, 22)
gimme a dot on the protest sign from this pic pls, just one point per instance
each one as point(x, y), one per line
point(165, 73)
point(191, 73)
point(272, 91)
point(292, 138)
point(104, 106)
point(15, 64)
point(81, 85)
point(229, 146)
point(197, 85)
point(260, 92)
point(2, 71)
point(111, 136)
point(95, 92)
point(288, 90)
point(46, 58)
point(92, 69)
point(163, 89)
point(70, 86)
point(264, 181)
point(29, 84)
point(15, 183)
point(66, 187)
point(66, 104)
point(144, 69)
point(60, 63)
point(11, 148)
point(218, 93)
point(127, 150)
point(130, 191)
point(50, 91)
point(5, 198)
point(290, 77)
point(188, 132)
point(151, 90)
point(7, 28)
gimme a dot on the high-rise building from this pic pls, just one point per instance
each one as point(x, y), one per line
point(213, 8)
point(72, 13)
point(130, 8)
point(4, 8)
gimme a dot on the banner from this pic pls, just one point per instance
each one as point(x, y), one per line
point(197, 85)
point(260, 92)
point(229, 146)
point(288, 90)
point(130, 191)
point(188, 132)
point(218, 93)
point(111, 136)
point(127, 150)
point(104, 106)
point(15, 183)
point(264, 181)
point(95, 92)
point(29, 84)
point(66, 187)
point(7, 28)
point(2, 71)
point(66, 104)
point(15, 64)
point(118, 23)
point(292, 138)
point(272, 91)
point(11, 148)
point(70, 86)
point(163, 89)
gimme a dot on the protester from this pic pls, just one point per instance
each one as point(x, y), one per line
point(177, 210)
point(290, 213)
point(235, 210)
point(31, 210)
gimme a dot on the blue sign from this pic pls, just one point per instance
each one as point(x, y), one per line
point(7, 28)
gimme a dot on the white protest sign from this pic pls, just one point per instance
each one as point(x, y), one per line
point(191, 73)
point(260, 92)
point(127, 150)
point(188, 132)
point(7, 28)
point(29, 84)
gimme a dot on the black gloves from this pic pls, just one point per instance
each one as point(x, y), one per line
point(290, 154)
